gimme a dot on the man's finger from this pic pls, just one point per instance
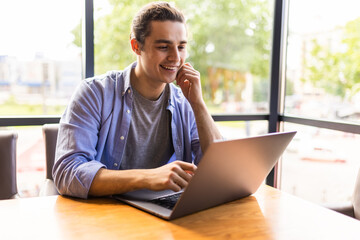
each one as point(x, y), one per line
point(181, 182)
point(174, 187)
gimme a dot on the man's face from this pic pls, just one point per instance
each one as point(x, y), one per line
point(164, 52)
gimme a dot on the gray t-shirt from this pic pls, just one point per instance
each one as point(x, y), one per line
point(149, 142)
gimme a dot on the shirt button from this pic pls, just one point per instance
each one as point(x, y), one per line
point(128, 111)
point(115, 164)
point(129, 91)
point(122, 138)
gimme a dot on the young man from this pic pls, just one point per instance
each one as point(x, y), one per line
point(134, 129)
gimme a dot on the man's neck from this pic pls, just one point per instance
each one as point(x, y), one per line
point(146, 88)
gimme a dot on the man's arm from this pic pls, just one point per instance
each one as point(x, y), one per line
point(189, 81)
point(76, 171)
point(174, 176)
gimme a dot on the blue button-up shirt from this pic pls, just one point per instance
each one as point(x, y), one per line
point(93, 131)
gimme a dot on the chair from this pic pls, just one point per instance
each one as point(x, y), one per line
point(50, 132)
point(8, 185)
point(352, 208)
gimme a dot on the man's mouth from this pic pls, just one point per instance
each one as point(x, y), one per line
point(171, 68)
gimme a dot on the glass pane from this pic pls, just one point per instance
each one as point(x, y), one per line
point(323, 64)
point(40, 55)
point(320, 165)
point(229, 43)
point(30, 160)
point(241, 129)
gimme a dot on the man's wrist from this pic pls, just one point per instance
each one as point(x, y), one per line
point(143, 178)
point(199, 106)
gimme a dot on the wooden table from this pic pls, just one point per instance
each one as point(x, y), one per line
point(268, 214)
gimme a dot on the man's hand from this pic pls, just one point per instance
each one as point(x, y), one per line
point(174, 176)
point(189, 81)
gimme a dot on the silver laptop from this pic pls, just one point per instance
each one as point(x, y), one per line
point(229, 170)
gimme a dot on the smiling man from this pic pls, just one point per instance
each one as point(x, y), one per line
point(134, 129)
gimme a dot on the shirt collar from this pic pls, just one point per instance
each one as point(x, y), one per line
point(127, 74)
point(172, 97)
point(174, 91)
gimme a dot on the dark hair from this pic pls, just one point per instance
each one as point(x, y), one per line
point(156, 11)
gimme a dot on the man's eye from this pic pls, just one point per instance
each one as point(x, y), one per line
point(181, 47)
point(162, 47)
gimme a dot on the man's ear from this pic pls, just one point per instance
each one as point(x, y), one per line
point(135, 46)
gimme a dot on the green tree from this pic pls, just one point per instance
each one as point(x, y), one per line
point(338, 73)
point(76, 32)
point(230, 34)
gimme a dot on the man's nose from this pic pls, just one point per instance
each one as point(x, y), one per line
point(174, 55)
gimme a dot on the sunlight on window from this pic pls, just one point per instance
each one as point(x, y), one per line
point(322, 81)
point(40, 64)
point(322, 68)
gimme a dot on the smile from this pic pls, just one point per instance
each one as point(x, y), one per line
point(172, 68)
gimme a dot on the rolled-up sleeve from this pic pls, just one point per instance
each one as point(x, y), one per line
point(75, 165)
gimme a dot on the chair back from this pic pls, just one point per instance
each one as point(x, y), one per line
point(50, 132)
point(8, 185)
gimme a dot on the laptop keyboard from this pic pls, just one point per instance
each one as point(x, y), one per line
point(168, 201)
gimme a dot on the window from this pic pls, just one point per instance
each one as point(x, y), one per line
point(322, 68)
point(229, 43)
point(322, 83)
point(320, 165)
point(241, 129)
point(40, 66)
